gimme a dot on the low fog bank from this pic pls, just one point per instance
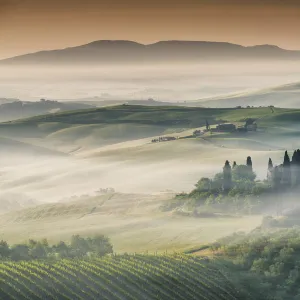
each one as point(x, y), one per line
point(177, 82)
point(51, 178)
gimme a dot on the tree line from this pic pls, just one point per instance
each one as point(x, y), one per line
point(78, 247)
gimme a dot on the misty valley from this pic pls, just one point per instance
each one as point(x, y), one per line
point(161, 171)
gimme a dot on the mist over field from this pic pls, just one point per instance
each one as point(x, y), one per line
point(51, 178)
point(67, 160)
point(163, 82)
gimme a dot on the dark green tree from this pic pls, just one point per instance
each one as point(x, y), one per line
point(270, 164)
point(203, 184)
point(79, 246)
point(294, 168)
point(62, 250)
point(297, 163)
point(286, 176)
point(38, 251)
point(20, 252)
point(227, 177)
point(286, 160)
point(207, 125)
point(234, 165)
point(298, 156)
point(270, 170)
point(249, 163)
point(294, 158)
point(100, 245)
point(4, 250)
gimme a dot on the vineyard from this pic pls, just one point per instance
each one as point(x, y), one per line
point(132, 277)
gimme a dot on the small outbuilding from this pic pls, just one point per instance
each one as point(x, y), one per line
point(227, 127)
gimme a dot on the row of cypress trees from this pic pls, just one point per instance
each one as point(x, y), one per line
point(287, 174)
point(283, 176)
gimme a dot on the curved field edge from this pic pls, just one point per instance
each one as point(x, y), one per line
point(117, 277)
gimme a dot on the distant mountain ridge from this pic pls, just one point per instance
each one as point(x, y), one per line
point(124, 52)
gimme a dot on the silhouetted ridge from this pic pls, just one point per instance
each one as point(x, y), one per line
point(129, 52)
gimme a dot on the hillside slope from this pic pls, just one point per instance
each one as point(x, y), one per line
point(160, 115)
point(15, 109)
point(280, 96)
point(101, 127)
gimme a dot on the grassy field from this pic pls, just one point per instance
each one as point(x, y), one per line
point(134, 223)
point(95, 128)
point(165, 116)
point(117, 277)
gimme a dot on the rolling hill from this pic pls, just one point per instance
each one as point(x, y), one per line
point(15, 109)
point(128, 52)
point(92, 128)
point(111, 147)
point(280, 96)
point(110, 125)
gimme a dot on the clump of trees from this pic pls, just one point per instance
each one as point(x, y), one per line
point(267, 263)
point(236, 188)
point(78, 247)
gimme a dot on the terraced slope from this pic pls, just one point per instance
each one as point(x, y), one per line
point(117, 277)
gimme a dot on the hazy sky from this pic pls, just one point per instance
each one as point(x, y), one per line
point(31, 25)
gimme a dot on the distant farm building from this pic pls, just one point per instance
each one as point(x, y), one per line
point(227, 127)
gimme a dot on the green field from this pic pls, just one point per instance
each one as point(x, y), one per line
point(164, 117)
point(134, 223)
point(83, 130)
point(110, 125)
point(117, 277)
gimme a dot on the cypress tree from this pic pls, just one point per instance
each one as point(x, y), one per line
point(294, 169)
point(270, 170)
point(294, 158)
point(286, 176)
point(297, 163)
point(270, 164)
point(207, 125)
point(227, 176)
point(249, 163)
point(286, 160)
point(298, 156)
